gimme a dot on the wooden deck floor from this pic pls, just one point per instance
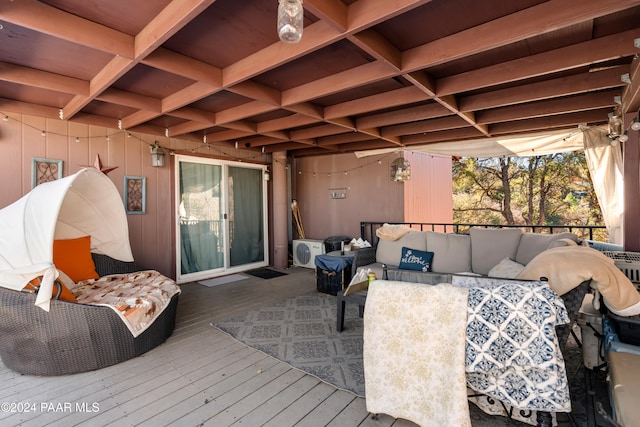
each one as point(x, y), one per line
point(199, 376)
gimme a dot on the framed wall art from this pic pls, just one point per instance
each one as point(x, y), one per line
point(135, 194)
point(45, 170)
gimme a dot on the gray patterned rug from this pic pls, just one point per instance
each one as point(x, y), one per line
point(302, 332)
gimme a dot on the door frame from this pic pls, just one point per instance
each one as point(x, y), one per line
point(226, 269)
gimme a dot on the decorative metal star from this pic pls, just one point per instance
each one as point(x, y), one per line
point(104, 169)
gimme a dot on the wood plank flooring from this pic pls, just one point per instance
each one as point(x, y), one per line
point(199, 376)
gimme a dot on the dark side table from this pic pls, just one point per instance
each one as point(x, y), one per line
point(333, 271)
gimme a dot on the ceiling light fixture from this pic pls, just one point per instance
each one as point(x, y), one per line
point(290, 20)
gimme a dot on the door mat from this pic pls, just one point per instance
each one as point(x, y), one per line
point(265, 273)
point(223, 280)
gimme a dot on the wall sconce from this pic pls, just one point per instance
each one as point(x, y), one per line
point(400, 170)
point(157, 155)
point(290, 20)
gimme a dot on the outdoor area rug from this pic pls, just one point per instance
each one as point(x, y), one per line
point(265, 273)
point(302, 332)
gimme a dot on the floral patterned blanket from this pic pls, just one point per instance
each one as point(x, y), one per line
point(138, 297)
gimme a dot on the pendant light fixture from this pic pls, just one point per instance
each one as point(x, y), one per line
point(157, 155)
point(290, 20)
point(400, 170)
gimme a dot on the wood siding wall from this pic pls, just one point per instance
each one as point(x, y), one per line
point(371, 195)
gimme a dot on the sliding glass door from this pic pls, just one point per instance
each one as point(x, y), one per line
point(221, 219)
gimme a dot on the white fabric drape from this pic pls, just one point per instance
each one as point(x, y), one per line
point(532, 144)
point(605, 166)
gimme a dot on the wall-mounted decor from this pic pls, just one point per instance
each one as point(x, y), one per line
point(135, 194)
point(45, 170)
point(338, 193)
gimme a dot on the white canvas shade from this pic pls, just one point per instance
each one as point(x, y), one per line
point(85, 203)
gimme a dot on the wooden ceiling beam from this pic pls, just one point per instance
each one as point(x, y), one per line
point(412, 114)
point(581, 54)
point(28, 108)
point(394, 98)
point(194, 114)
point(367, 13)
point(42, 79)
point(243, 111)
point(41, 17)
point(530, 22)
point(343, 138)
point(377, 46)
point(227, 135)
point(292, 121)
point(358, 76)
point(441, 136)
point(550, 107)
point(563, 86)
point(316, 36)
point(169, 21)
point(130, 99)
point(631, 93)
point(433, 125)
point(317, 131)
point(551, 122)
point(332, 11)
point(181, 65)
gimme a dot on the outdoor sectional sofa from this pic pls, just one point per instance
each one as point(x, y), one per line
point(495, 252)
point(73, 337)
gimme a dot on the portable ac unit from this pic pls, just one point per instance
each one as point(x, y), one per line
point(305, 251)
point(628, 263)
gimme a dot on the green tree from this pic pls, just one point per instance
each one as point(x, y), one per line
point(530, 191)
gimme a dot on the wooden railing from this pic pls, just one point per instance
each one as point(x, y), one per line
point(368, 229)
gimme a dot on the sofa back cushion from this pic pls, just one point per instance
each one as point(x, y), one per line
point(452, 252)
point(389, 251)
point(531, 244)
point(489, 246)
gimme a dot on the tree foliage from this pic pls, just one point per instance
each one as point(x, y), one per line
point(529, 191)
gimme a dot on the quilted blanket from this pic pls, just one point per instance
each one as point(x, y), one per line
point(138, 298)
point(413, 352)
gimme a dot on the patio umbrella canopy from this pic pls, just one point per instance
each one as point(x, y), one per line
point(85, 203)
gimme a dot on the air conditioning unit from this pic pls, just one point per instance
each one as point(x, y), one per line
point(305, 251)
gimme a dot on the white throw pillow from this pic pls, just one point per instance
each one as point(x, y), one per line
point(506, 269)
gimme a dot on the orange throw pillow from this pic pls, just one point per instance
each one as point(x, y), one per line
point(65, 294)
point(73, 256)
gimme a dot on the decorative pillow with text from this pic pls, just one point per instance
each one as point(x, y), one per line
point(413, 259)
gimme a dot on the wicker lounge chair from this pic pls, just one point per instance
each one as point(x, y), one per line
point(73, 337)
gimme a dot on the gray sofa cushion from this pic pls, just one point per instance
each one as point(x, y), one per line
point(418, 277)
point(389, 252)
point(531, 244)
point(452, 252)
point(489, 246)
